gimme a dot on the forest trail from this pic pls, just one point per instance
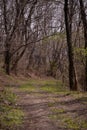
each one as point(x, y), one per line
point(36, 111)
point(46, 109)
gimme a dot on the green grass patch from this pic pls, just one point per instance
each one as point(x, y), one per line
point(57, 110)
point(75, 124)
point(43, 81)
point(71, 123)
point(51, 104)
point(57, 114)
point(53, 117)
point(10, 115)
point(50, 86)
point(83, 124)
point(78, 94)
point(67, 121)
point(7, 97)
point(53, 87)
point(29, 87)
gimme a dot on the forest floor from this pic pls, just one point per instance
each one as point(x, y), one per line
point(48, 105)
point(45, 104)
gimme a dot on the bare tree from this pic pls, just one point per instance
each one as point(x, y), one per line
point(68, 23)
point(84, 20)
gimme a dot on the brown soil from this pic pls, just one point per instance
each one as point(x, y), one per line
point(38, 106)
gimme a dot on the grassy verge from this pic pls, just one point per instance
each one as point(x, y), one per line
point(10, 115)
point(50, 86)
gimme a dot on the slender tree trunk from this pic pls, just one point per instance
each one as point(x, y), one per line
point(7, 47)
point(83, 17)
point(7, 59)
point(72, 74)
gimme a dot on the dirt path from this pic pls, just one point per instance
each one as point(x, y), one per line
point(35, 106)
point(48, 111)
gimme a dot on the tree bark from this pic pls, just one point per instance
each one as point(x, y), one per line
point(83, 17)
point(7, 59)
point(7, 50)
point(72, 74)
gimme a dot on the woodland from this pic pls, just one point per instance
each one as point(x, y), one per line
point(43, 64)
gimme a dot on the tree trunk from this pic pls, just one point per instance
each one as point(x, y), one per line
point(72, 74)
point(7, 59)
point(83, 17)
